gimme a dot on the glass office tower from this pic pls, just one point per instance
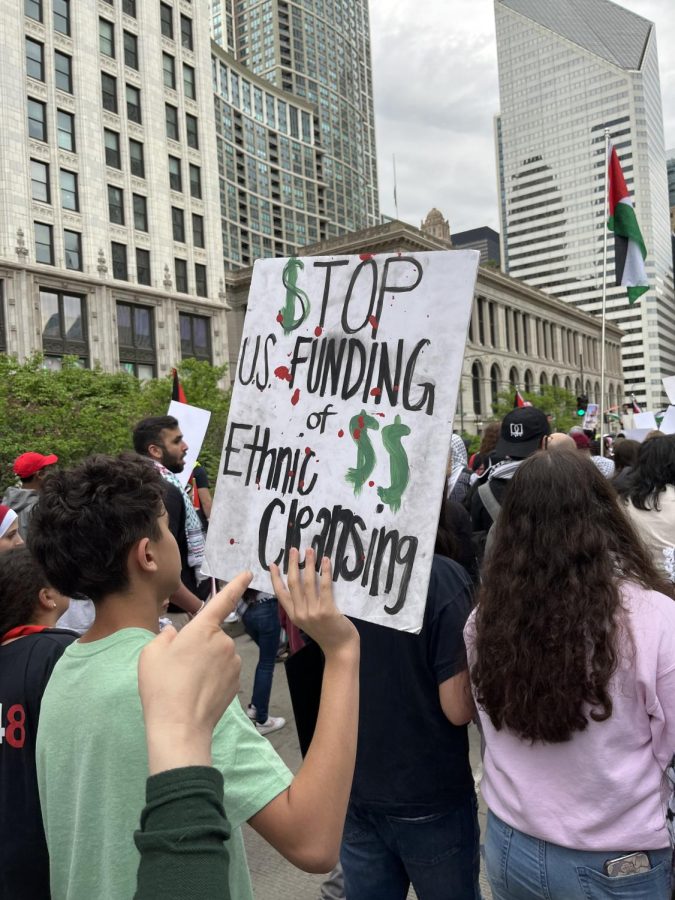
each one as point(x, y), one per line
point(567, 71)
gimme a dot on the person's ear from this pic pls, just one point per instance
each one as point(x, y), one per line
point(143, 555)
point(155, 451)
point(46, 598)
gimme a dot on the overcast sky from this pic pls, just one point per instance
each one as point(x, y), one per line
point(436, 92)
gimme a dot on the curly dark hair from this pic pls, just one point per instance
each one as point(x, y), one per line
point(625, 453)
point(21, 580)
point(653, 472)
point(549, 609)
point(89, 517)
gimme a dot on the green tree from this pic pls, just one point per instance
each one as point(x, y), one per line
point(75, 412)
point(554, 401)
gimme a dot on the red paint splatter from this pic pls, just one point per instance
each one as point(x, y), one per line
point(318, 331)
point(357, 434)
point(283, 372)
point(232, 541)
point(308, 451)
point(291, 473)
point(395, 387)
point(365, 256)
point(375, 392)
point(361, 422)
point(341, 433)
point(301, 484)
point(295, 397)
point(381, 415)
point(371, 484)
point(280, 318)
point(373, 321)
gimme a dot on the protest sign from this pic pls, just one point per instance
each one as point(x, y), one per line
point(645, 420)
point(193, 422)
point(340, 423)
point(591, 417)
point(668, 421)
point(669, 387)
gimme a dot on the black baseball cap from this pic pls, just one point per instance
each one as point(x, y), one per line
point(521, 432)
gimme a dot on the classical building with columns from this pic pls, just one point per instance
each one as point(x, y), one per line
point(519, 337)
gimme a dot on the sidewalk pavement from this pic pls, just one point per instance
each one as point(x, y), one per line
point(273, 877)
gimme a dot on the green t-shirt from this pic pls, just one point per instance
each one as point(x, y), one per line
point(92, 768)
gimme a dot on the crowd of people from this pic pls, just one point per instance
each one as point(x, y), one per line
point(128, 764)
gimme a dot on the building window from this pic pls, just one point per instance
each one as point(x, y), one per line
point(166, 20)
point(33, 9)
point(136, 338)
point(61, 9)
point(136, 158)
point(130, 50)
point(63, 325)
point(129, 7)
point(37, 120)
point(72, 244)
point(178, 224)
point(195, 181)
point(106, 37)
point(495, 380)
point(513, 377)
point(113, 157)
point(197, 230)
point(186, 32)
point(476, 378)
point(171, 116)
point(189, 87)
point(481, 321)
point(109, 92)
point(3, 327)
point(65, 122)
point(140, 212)
point(175, 177)
point(192, 131)
point(180, 268)
point(35, 60)
point(118, 253)
point(133, 96)
point(529, 381)
point(63, 72)
point(526, 334)
point(493, 324)
point(68, 186)
point(44, 243)
point(201, 285)
point(39, 181)
point(143, 266)
point(169, 70)
point(195, 339)
point(115, 205)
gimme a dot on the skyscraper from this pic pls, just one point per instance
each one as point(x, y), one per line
point(567, 71)
point(319, 53)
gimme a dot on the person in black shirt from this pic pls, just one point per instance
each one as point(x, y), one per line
point(30, 647)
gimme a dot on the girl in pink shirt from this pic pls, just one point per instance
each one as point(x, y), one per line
point(572, 658)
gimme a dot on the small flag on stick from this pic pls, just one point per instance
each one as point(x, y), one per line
point(177, 392)
point(629, 248)
point(518, 400)
point(635, 404)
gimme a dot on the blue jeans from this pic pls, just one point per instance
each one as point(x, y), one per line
point(521, 867)
point(261, 622)
point(382, 855)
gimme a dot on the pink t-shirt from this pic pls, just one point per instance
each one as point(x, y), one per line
point(604, 789)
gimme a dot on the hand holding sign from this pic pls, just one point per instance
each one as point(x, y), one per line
point(313, 612)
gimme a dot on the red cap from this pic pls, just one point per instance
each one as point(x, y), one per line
point(28, 464)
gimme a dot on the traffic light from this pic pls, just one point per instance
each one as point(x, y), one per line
point(582, 405)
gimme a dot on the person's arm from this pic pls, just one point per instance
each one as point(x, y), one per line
point(456, 699)
point(186, 682)
point(205, 500)
point(305, 822)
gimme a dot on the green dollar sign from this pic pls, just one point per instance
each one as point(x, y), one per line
point(399, 470)
point(287, 314)
point(365, 454)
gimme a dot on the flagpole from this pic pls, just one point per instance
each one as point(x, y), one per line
point(604, 294)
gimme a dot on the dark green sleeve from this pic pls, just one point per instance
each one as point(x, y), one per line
point(182, 837)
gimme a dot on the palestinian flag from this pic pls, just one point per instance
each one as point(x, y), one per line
point(634, 404)
point(518, 401)
point(177, 392)
point(629, 248)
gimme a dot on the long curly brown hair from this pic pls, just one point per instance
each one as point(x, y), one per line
point(549, 609)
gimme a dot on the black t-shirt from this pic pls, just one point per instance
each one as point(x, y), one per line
point(25, 668)
point(175, 507)
point(410, 759)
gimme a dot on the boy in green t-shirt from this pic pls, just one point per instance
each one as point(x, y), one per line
point(101, 530)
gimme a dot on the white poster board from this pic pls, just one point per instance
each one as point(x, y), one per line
point(645, 420)
point(669, 387)
point(591, 417)
point(338, 433)
point(193, 423)
point(668, 421)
